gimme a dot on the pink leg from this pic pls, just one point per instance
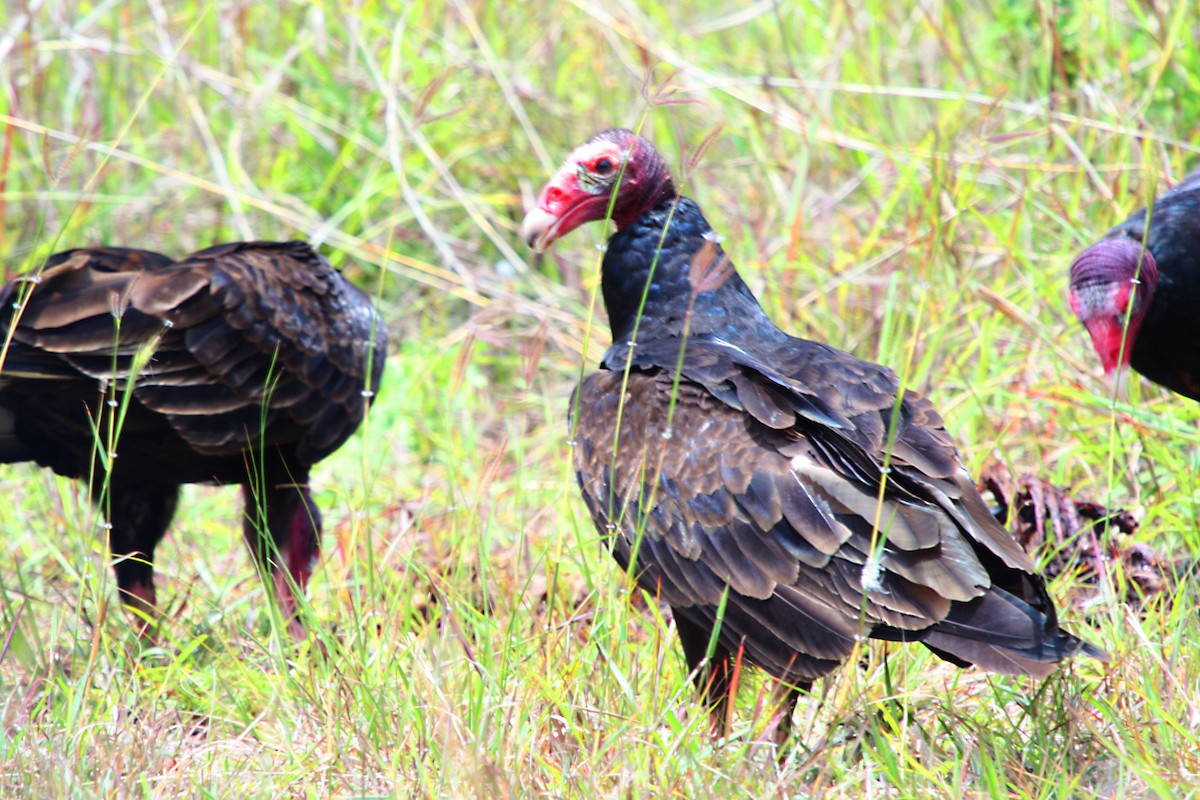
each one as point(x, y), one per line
point(299, 552)
point(783, 704)
point(142, 602)
point(290, 550)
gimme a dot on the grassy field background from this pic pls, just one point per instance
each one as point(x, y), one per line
point(908, 182)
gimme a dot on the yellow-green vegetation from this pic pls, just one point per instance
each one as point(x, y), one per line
point(908, 182)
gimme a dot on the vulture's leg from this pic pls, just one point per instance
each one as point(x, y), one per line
point(783, 707)
point(138, 515)
point(715, 678)
point(283, 529)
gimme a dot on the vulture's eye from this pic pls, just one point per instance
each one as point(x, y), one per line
point(603, 167)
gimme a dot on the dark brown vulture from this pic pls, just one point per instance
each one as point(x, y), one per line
point(1147, 272)
point(745, 477)
point(244, 363)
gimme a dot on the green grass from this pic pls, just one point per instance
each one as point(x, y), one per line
point(909, 184)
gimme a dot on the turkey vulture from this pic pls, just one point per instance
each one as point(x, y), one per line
point(244, 363)
point(784, 498)
point(1150, 277)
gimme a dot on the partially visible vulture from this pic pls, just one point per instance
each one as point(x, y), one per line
point(1147, 271)
point(245, 363)
point(784, 498)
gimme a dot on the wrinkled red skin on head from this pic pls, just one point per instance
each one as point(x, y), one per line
point(571, 203)
point(1112, 281)
point(563, 196)
point(1103, 311)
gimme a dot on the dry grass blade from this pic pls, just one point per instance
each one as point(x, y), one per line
point(531, 353)
point(692, 161)
point(709, 268)
point(465, 352)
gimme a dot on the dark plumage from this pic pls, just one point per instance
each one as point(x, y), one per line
point(1158, 296)
point(255, 358)
point(759, 486)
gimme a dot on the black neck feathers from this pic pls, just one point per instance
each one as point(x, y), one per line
point(671, 257)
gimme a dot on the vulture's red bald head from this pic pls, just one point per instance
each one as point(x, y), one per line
point(582, 189)
point(1112, 281)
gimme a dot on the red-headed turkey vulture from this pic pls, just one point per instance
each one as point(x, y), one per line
point(778, 492)
point(1147, 272)
point(244, 363)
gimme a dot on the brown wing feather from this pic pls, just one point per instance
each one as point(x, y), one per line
point(773, 520)
point(922, 454)
point(253, 343)
point(845, 411)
